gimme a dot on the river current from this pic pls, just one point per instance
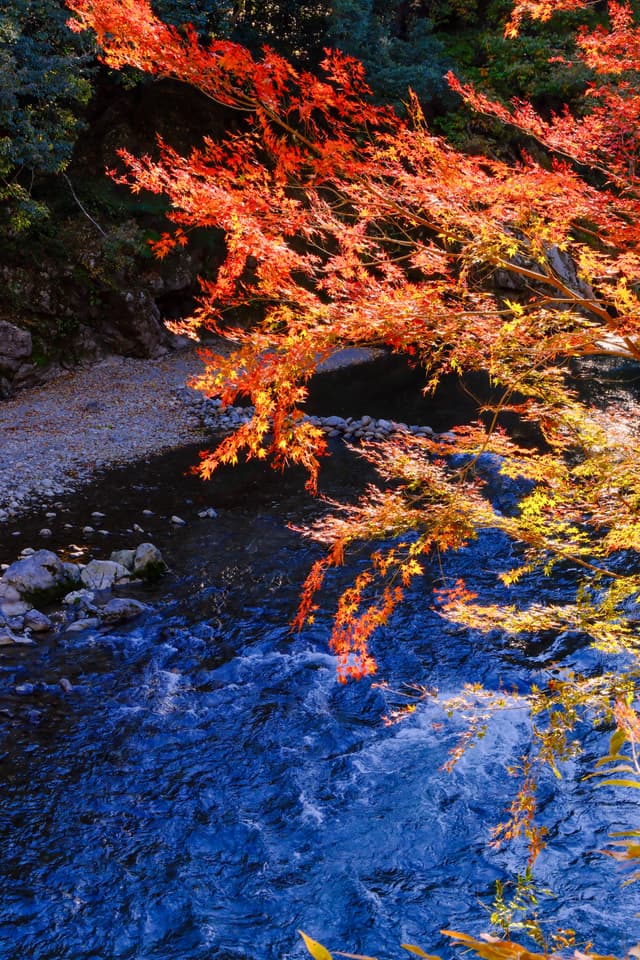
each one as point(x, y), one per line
point(207, 787)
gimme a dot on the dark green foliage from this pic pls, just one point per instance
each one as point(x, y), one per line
point(295, 29)
point(397, 46)
point(44, 81)
point(517, 67)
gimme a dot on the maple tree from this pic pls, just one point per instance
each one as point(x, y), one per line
point(347, 225)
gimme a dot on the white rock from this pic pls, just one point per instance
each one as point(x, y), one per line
point(125, 557)
point(8, 593)
point(147, 561)
point(178, 521)
point(16, 608)
point(42, 572)
point(80, 598)
point(102, 574)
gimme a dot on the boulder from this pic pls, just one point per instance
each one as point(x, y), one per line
point(8, 594)
point(42, 576)
point(102, 574)
point(73, 572)
point(124, 557)
point(120, 609)
point(15, 608)
point(88, 623)
point(148, 562)
point(80, 600)
point(37, 622)
point(132, 323)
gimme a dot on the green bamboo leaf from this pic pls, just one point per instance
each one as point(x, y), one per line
point(317, 951)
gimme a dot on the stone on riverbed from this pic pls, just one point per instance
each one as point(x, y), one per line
point(125, 557)
point(80, 600)
point(148, 562)
point(102, 574)
point(14, 608)
point(8, 594)
point(37, 622)
point(88, 623)
point(121, 609)
point(42, 576)
point(7, 638)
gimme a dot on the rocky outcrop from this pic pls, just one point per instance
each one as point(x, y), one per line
point(90, 307)
point(15, 348)
point(15, 345)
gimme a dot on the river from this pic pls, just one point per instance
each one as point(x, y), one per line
point(206, 787)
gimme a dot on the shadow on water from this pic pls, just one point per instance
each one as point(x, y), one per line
point(206, 787)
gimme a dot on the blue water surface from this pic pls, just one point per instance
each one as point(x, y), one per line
point(207, 787)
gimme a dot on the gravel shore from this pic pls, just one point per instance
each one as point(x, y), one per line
point(55, 437)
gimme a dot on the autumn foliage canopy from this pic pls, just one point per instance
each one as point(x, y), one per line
point(346, 224)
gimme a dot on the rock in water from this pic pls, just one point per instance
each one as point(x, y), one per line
point(102, 574)
point(125, 557)
point(40, 576)
point(148, 562)
point(37, 622)
point(120, 609)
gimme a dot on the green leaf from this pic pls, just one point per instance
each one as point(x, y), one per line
point(317, 951)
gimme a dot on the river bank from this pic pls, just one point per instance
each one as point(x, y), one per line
point(57, 436)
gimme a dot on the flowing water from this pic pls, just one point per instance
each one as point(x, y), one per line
point(206, 787)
